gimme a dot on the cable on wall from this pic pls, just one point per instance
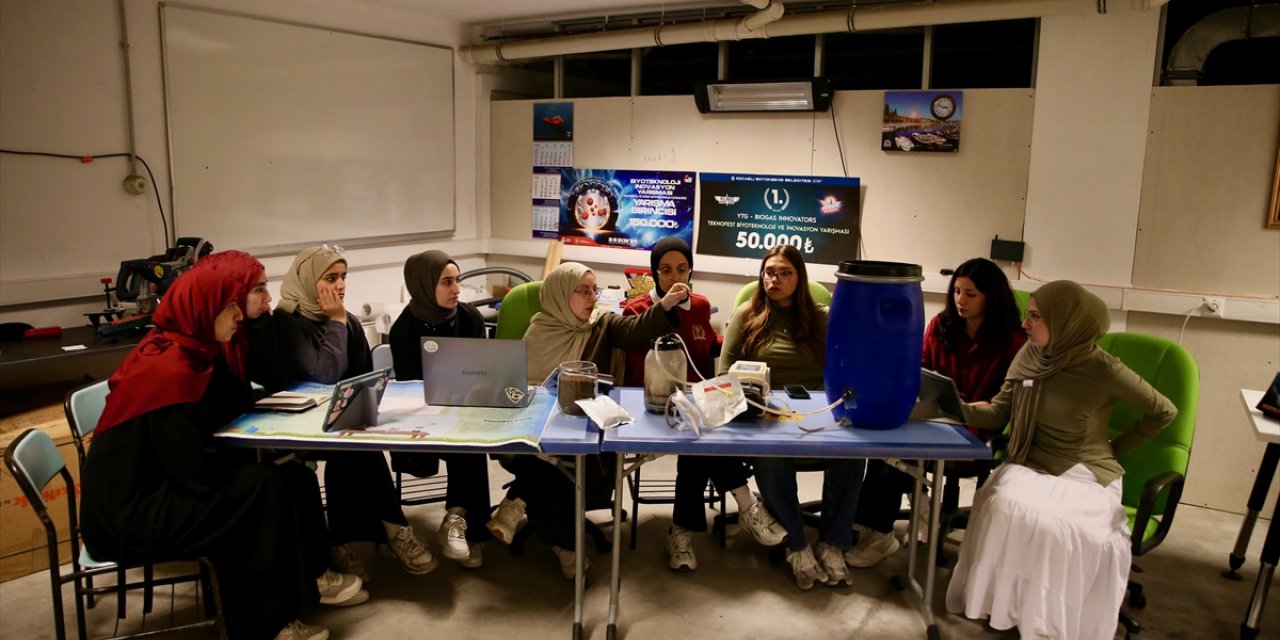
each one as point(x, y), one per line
point(86, 159)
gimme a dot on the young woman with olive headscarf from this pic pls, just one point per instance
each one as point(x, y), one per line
point(1048, 547)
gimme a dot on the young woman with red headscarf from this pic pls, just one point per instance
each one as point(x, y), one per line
point(157, 488)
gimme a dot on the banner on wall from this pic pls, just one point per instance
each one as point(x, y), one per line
point(627, 209)
point(743, 216)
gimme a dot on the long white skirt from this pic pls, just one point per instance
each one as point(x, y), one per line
point(1046, 554)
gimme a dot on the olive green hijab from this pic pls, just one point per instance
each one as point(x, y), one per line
point(421, 275)
point(298, 291)
point(1076, 319)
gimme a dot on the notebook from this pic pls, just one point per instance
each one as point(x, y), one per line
point(941, 390)
point(473, 372)
point(354, 402)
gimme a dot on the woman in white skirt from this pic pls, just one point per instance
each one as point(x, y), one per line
point(1048, 547)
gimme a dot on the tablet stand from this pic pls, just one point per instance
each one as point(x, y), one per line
point(361, 412)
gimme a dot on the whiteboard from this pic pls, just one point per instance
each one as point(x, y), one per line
point(283, 135)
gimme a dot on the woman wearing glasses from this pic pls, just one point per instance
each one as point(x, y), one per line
point(671, 262)
point(435, 311)
point(783, 327)
point(312, 337)
point(1048, 548)
point(570, 327)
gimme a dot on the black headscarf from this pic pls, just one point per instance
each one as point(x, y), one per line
point(669, 243)
point(421, 275)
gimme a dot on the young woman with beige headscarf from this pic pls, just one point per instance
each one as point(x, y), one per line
point(1047, 549)
point(570, 327)
point(312, 337)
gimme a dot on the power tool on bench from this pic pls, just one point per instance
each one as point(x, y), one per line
point(141, 282)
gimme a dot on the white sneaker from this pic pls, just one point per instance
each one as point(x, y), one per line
point(872, 547)
point(680, 551)
point(762, 525)
point(567, 561)
point(412, 552)
point(296, 630)
point(475, 556)
point(453, 537)
point(832, 561)
point(506, 520)
point(805, 567)
point(340, 589)
point(346, 560)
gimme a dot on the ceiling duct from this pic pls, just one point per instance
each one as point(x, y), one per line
point(763, 24)
point(1186, 61)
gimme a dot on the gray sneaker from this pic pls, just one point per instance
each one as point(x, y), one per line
point(805, 567)
point(832, 561)
point(762, 525)
point(340, 589)
point(412, 551)
point(680, 551)
point(568, 560)
point(453, 537)
point(346, 560)
point(506, 520)
point(296, 630)
point(872, 547)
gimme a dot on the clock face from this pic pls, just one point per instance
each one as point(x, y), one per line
point(943, 107)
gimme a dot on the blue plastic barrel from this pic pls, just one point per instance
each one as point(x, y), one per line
point(874, 339)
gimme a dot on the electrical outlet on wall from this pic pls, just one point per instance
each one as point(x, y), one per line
point(1211, 306)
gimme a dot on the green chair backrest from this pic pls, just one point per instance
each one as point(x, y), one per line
point(517, 309)
point(820, 293)
point(1172, 371)
point(1022, 298)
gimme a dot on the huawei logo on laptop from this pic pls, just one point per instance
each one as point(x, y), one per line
point(515, 395)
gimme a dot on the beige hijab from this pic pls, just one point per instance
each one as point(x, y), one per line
point(298, 291)
point(555, 335)
point(1076, 319)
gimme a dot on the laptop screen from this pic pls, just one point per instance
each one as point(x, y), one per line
point(473, 372)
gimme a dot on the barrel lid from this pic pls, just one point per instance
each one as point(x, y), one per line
point(871, 269)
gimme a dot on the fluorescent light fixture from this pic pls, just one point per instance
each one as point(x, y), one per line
point(813, 94)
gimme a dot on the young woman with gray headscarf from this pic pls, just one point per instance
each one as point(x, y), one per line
point(1048, 547)
point(570, 327)
point(311, 336)
point(435, 311)
point(671, 263)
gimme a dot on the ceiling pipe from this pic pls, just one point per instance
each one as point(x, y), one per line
point(1186, 61)
point(756, 25)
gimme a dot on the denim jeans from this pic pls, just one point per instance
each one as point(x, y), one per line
point(841, 482)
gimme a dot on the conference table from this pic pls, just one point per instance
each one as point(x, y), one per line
point(1265, 430)
point(649, 436)
point(406, 423)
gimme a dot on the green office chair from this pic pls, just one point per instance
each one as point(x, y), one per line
point(34, 461)
point(820, 293)
point(1023, 298)
point(1155, 472)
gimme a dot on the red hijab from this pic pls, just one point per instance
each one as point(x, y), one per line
point(246, 270)
point(173, 363)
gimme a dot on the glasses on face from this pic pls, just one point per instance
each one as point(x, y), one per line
point(588, 292)
point(781, 275)
point(667, 271)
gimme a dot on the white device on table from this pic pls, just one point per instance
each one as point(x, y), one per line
point(751, 372)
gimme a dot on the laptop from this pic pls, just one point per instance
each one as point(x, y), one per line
point(940, 390)
point(473, 372)
point(354, 402)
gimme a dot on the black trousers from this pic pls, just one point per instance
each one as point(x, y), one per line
point(361, 495)
point(549, 494)
point(263, 532)
point(881, 496)
point(468, 484)
point(692, 472)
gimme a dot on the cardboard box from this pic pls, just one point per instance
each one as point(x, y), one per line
point(23, 542)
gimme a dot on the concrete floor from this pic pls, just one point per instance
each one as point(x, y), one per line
point(739, 592)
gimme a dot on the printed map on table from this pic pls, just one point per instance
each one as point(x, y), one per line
point(404, 417)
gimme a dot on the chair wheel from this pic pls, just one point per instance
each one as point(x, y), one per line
point(899, 583)
point(1137, 601)
point(933, 632)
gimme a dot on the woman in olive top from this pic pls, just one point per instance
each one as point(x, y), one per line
point(435, 311)
point(570, 327)
point(1047, 549)
point(783, 327)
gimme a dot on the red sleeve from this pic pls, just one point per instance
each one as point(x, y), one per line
point(634, 376)
point(930, 355)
